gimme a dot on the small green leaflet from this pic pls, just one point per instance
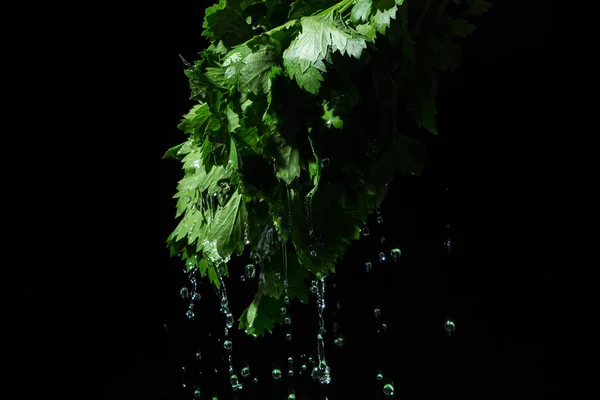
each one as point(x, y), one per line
point(382, 12)
point(330, 118)
point(195, 119)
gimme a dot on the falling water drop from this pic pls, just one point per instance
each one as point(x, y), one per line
point(234, 381)
point(379, 375)
point(257, 259)
point(198, 355)
point(377, 312)
point(450, 327)
point(197, 393)
point(255, 380)
point(291, 396)
point(448, 245)
point(368, 266)
point(388, 390)
point(245, 371)
point(190, 314)
point(325, 163)
point(365, 230)
point(278, 276)
point(286, 300)
point(323, 368)
point(378, 209)
point(312, 252)
point(339, 342)
point(382, 257)
point(183, 369)
point(228, 345)
point(314, 289)
point(243, 278)
point(396, 253)
point(287, 321)
point(336, 327)
point(250, 271)
point(283, 311)
point(276, 374)
point(380, 220)
point(184, 293)
point(288, 336)
point(382, 239)
point(196, 296)
point(229, 320)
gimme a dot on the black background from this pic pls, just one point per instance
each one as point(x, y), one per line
point(484, 177)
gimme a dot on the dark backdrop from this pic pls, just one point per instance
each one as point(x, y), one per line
point(484, 178)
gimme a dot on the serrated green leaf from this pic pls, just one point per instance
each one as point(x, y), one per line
point(288, 163)
point(227, 228)
point(226, 24)
point(233, 119)
point(382, 12)
point(302, 8)
point(214, 277)
point(361, 11)
point(194, 121)
point(460, 27)
point(216, 76)
point(255, 72)
point(477, 7)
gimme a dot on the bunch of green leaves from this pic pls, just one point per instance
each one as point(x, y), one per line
point(294, 139)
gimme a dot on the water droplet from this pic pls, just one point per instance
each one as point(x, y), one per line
point(381, 256)
point(198, 355)
point(290, 372)
point(379, 375)
point(257, 259)
point(286, 299)
point(250, 271)
point(339, 342)
point(324, 373)
point(287, 320)
point(448, 245)
point(384, 327)
point(312, 253)
point(380, 220)
point(283, 311)
point(368, 266)
point(378, 209)
point(255, 380)
point(314, 288)
point(382, 239)
point(388, 390)
point(325, 163)
point(315, 373)
point(184, 293)
point(190, 314)
point(450, 327)
point(396, 253)
point(183, 369)
point(228, 345)
point(377, 312)
point(291, 396)
point(338, 305)
point(336, 327)
point(276, 374)
point(183, 384)
point(197, 393)
point(234, 380)
point(288, 336)
point(243, 278)
point(196, 296)
point(303, 367)
point(229, 320)
point(365, 230)
point(245, 372)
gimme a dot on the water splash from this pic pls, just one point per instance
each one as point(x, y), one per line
point(323, 370)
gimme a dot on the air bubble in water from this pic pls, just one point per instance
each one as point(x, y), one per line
point(368, 266)
point(184, 293)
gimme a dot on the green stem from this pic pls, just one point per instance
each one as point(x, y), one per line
point(421, 18)
point(341, 7)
